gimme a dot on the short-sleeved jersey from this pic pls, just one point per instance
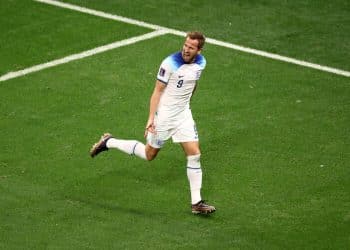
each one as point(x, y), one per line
point(180, 78)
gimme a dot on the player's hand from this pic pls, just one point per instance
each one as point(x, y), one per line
point(150, 127)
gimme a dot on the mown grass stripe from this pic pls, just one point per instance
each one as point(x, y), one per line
point(83, 54)
point(209, 40)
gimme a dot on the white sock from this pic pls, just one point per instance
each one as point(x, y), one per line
point(131, 147)
point(194, 174)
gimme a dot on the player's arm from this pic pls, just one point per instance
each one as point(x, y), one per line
point(194, 90)
point(154, 101)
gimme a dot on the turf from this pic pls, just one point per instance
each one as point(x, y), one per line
point(314, 30)
point(41, 33)
point(274, 141)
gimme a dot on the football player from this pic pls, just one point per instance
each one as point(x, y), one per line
point(170, 116)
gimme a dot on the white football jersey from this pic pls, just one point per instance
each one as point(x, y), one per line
point(180, 78)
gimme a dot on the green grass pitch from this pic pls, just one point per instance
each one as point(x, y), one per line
point(274, 136)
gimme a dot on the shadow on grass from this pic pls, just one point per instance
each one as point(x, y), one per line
point(137, 211)
point(114, 207)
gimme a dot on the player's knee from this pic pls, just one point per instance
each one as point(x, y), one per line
point(151, 153)
point(150, 156)
point(191, 148)
point(193, 161)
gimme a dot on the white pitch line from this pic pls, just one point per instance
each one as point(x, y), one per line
point(110, 16)
point(279, 57)
point(159, 31)
point(82, 54)
point(208, 40)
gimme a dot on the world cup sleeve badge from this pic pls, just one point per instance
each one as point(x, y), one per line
point(161, 72)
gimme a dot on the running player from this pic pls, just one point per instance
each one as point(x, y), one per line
point(170, 116)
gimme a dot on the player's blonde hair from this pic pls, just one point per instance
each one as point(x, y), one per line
point(196, 35)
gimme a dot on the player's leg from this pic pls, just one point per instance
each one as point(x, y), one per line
point(151, 152)
point(131, 147)
point(191, 148)
point(187, 136)
point(194, 174)
point(194, 170)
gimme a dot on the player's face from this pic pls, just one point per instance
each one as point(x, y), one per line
point(190, 50)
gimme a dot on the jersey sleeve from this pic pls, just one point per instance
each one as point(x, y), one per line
point(201, 62)
point(165, 71)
